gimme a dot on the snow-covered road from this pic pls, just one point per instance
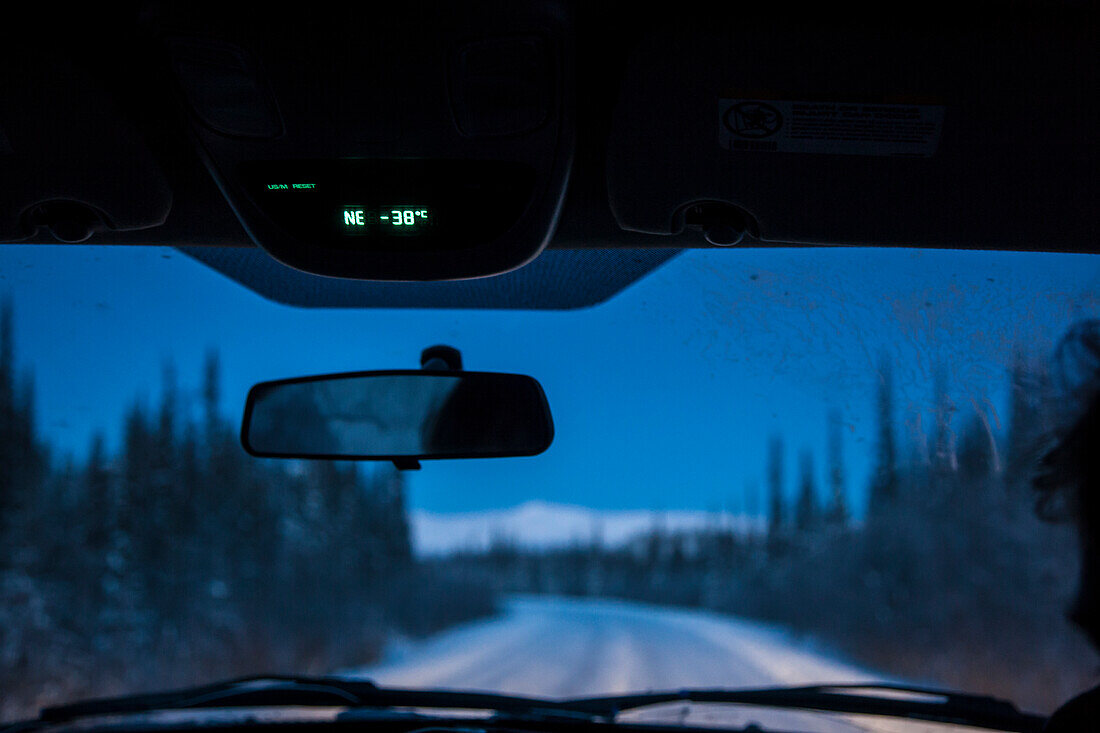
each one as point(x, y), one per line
point(561, 647)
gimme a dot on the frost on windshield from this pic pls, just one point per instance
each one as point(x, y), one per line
point(790, 469)
point(946, 577)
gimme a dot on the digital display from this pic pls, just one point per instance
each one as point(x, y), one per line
point(394, 220)
point(398, 205)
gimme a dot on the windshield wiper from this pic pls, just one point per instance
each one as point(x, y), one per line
point(896, 701)
point(286, 691)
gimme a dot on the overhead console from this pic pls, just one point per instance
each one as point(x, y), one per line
point(416, 141)
point(938, 131)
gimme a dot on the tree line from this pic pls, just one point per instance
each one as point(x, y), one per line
point(946, 576)
point(178, 559)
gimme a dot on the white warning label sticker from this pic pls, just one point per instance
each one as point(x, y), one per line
point(832, 128)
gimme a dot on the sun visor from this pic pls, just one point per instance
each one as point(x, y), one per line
point(840, 136)
point(70, 163)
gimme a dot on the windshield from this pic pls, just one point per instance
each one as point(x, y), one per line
point(773, 467)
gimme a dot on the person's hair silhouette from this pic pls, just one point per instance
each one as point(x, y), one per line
point(1068, 484)
point(486, 415)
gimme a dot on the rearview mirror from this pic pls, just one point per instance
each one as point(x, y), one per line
point(401, 415)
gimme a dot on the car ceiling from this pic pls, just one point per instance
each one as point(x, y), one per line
point(94, 112)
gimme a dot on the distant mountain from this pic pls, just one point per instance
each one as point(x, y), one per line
point(540, 525)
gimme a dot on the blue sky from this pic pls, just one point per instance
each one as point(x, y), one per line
point(663, 397)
